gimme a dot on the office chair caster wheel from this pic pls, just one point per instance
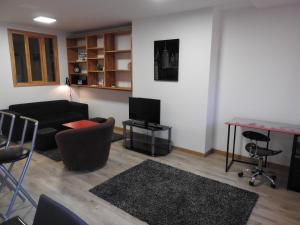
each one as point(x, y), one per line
point(251, 183)
point(240, 174)
point(273, 185)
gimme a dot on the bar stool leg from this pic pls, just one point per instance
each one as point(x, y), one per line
point(18, 187)
point(4, 179)
point(22, 190)
point(6, 182)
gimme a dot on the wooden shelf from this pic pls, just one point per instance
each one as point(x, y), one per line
point(80, 74)
point(78, 61)
point(119, 88)
point(95, 58)
point(114, 70)
point(102, 50)
point(79, 85)
point(96, 71)
point(119, 51)
point(95, 48)
point(103, 87)
point(76, 47)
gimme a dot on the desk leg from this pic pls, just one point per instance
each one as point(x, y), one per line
point(292, 163)
point(227, 153)
point(152, 143)
point(124, 135)
point(131, 137)
point(266, 158)
point(234, 137)
point(169, 139)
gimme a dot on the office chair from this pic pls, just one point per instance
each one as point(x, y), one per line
point(12, 155)
point(5, 141)
point(259, 153)
point(50, 212)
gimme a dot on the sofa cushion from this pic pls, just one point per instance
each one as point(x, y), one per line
point(37, 110)
point(57, 120)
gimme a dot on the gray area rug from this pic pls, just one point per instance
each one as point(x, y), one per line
point(163, 195)
point(54, 154)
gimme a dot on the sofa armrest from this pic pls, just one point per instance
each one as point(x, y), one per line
point(80, 108)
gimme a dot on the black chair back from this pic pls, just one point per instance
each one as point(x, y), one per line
point(50, 212)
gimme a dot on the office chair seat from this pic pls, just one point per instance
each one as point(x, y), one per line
point(13, 154)
point(259, 151)
point(252, 135)
point(3, 141)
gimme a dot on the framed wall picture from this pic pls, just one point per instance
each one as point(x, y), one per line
point(166, 58)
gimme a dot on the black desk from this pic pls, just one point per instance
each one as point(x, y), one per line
point(148, 144)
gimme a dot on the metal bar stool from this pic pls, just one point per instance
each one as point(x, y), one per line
point(5, 141)
point(14, 154)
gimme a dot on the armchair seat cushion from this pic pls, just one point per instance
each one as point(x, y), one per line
point(13, 154)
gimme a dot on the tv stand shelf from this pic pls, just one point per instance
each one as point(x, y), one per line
point(147, 144)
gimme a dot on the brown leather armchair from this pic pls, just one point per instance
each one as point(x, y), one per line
point(86, 148)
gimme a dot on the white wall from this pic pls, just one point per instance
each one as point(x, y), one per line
point(260, 71)
point(106, 103)
point(183, 103)
point(213, 79)
point(11, 95)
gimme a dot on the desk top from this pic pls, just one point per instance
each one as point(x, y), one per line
point(266, 125)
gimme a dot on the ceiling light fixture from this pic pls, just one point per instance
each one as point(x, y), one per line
point(43, 19)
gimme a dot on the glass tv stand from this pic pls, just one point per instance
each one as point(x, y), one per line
point(146, 141)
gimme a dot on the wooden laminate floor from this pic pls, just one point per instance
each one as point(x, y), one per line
point(71, 188)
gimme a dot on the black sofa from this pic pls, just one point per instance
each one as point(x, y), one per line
point(49, 114)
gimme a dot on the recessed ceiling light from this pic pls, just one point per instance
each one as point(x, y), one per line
point(43, 19)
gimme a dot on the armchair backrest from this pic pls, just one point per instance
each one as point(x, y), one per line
point(86, 148)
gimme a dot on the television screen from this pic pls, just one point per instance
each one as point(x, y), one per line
point(144, 109)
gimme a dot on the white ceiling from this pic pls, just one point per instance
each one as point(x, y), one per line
point(78, 15)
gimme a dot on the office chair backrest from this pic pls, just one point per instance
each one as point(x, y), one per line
point(50, 212)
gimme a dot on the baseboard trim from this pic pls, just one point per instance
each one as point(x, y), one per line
point(118, 129)
point(211, 151)
point(189, 151)
point(242, 157)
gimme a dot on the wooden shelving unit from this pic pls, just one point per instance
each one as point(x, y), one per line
point(108, 60)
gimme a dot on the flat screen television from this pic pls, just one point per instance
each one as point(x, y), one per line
point(145, 110)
